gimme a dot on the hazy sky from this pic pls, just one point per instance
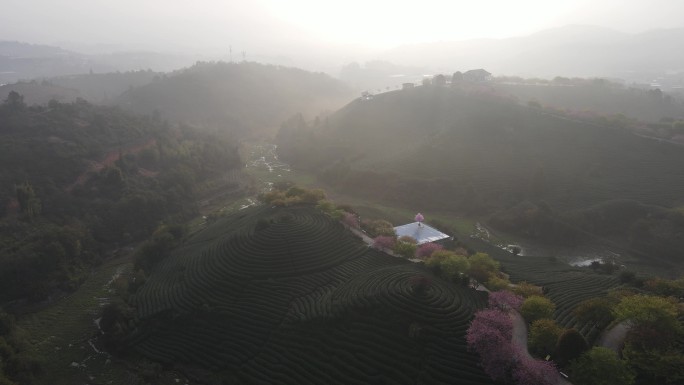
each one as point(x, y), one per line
point(274, 25)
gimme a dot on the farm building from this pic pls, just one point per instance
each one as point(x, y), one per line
point(421, 232)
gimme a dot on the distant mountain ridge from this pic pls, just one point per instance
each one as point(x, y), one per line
point(24, 61)
point(575, 50)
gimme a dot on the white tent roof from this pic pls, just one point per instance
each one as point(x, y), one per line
point(422, 234)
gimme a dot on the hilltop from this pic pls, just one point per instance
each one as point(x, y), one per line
point(246, 95)
point(539, 174)
point(289, 295)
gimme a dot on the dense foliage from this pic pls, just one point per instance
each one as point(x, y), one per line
point(600, 366)
point(240, 96)
point(79, 182)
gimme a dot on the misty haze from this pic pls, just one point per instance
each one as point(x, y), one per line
point(329, 192)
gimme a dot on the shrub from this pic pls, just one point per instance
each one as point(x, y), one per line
point(570, 345)
point(449, 264)
point(526, 289)
point(544, 334)
point(326, 206)
point(537, 307)
point(455, 266)
point(496, 283)
point(482, 266)
point(425, 250)
point(598, 311)
point(600, 366)
point(405, 249)
point(384, 242)
point(378, 227)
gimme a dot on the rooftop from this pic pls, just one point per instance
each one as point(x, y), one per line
point(422, 233)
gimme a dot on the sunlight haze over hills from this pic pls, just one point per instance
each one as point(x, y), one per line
point(265, 25)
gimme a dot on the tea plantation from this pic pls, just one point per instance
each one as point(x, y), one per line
point(289, 296)
point(565, 285)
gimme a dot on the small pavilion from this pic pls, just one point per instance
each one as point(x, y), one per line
point(420, 231)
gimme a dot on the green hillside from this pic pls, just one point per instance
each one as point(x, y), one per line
point(288, 295)
point(469, 149)
point(236, 95)
point(78, 182)
point(596, 95)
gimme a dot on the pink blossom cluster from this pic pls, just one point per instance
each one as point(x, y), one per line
point(425, 250)
point(350, 220)
point(490, 335)
point(505, 300)
point(384, 242)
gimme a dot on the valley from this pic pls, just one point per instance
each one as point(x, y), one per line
point(236, 223)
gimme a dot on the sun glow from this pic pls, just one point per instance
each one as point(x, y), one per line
point(383, 23)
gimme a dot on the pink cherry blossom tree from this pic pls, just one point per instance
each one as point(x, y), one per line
point(505, 300)
point(530, 371)
point(425, 250)
point(490, 335)
point(350, 220)
point(384, 242)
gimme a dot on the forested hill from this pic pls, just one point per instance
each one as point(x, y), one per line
point(248, 95)
point(470, 149)
point(77, 181)
point(597, 96)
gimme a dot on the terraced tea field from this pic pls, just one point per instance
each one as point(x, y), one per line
point(566, 285)
point(289, 296)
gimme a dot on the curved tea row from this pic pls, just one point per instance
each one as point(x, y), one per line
point(288, 296)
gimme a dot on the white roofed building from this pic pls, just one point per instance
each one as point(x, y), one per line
point(420, 232)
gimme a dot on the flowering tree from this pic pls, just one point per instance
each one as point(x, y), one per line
point(505, 300)
point(350, 220)
point(384, 242)
point(529, 371)
point(425, 250)
point(490, 335)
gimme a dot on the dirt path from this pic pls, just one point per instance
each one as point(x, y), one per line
point(614, 337)
point(520, 340)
